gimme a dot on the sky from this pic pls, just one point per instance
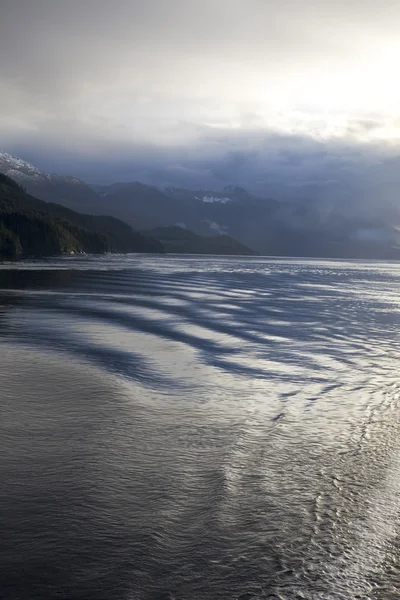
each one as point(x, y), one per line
point(281, 97)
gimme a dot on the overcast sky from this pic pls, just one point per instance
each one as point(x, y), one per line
point(293, 90)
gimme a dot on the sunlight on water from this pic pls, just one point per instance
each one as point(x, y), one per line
point(181, 427)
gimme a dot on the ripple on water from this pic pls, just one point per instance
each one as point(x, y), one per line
point(199, 428)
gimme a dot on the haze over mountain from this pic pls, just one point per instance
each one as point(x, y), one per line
point(289, 100)
point(31, 227)
point(266, 226)
point(179, 240)
point(64, 189)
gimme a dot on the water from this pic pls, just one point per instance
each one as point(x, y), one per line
point(199, 428)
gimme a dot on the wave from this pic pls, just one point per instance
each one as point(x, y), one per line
point(199, 427)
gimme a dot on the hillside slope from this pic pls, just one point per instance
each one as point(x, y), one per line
point(304, 227)
point(63, 189)
point(32, 227)
point(179, 240)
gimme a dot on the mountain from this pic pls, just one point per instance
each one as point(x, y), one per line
point(31, 232)
point(206, 212)
point(69, 191)
point(230, 211)
point(180, 240)
point(32, 227)
point(142, 206)
point(308, 227)
point(120, 236)
point(305, 228)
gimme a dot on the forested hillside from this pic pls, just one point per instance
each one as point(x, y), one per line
point(31, 227)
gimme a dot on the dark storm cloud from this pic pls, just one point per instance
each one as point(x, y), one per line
point(284, 167)
point(215, 91)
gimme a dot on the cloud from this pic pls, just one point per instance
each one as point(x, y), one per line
point(89, 58)
point(287, 98)
point(260, 160)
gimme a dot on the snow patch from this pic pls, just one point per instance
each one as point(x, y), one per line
point(22, 171)
point(216, 199)
point(9, 163)
point(216, 228)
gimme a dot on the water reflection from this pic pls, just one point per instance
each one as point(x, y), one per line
point(201, 428)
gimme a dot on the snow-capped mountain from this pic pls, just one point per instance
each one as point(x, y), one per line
point(25, 173)
point(230, 194)
point(62, 189)
point(268, 226)
point(20, 170)
point(212, 199)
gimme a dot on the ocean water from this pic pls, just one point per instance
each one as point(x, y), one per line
point(199, 428)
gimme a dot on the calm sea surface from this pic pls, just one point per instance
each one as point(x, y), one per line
point(179, 428)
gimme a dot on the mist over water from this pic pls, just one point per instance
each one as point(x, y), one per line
point(194, 428)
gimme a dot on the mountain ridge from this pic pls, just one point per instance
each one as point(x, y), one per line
point(29, 226)
point(178, 240)
point(269, 226)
